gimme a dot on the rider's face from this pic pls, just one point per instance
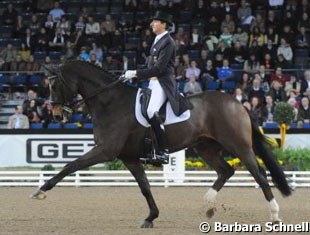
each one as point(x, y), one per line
point(157, 26)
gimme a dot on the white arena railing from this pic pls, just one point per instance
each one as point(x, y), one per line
point(156, 178)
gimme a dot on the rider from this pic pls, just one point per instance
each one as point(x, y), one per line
point(159, 72)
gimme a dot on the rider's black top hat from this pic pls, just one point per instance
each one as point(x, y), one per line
point(163, 16)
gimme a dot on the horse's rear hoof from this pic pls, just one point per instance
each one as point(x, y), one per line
point(38, 194)
point(147, 224)
point(210, 213)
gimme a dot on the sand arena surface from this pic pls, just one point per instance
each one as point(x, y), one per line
point(120, 210)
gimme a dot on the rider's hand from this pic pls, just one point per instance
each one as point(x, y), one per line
point(129, 74)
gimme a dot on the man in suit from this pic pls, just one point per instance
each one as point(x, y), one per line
point(159, 72)
point(18, 120)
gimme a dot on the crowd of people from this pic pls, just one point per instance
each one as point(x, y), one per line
point(249, 44)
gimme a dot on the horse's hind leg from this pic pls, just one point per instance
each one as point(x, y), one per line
point(249, 159)
point(94, 156)
point(212, 155)
point(138, 172)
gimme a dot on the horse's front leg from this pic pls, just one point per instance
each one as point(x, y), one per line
point(94, 156)
point(136, 169)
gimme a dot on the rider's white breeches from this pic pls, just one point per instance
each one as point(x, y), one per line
point(158, 98)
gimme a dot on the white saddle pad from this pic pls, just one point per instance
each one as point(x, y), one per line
point(171, 118)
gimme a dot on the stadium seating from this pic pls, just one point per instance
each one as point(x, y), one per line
point(270, 125)
point(70, 126)
point(36, 126)
point(54, 125)
point(88, 126)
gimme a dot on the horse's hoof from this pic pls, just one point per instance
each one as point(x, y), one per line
point(38, 194)
point(210, 213)
point(276, 221)
point(147, 224)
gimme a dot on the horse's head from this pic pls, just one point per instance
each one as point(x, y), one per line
point(63, 89)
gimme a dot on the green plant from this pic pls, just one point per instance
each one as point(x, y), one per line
point(294, 159)
point(284, 113)
point(48, 167)
point(115, 165)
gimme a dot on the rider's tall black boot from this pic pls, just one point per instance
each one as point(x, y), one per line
point(162, 156)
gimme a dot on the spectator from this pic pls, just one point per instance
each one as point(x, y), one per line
point(108, 25)
point(202, 60)
point(251, 65)
point(32, 112)
point(226, 37)
point(65, 26)
point(258, 22)
point(34, 25)
point(43, 90)
point(80, 24)
point(200, 12)
point(241, 36)
point(303, 112)
point(56, 12)
point(229, 24)
point(272, 35)
point(272, 21)
point(93, 60)
point(18, 120)
point(265, 78)
point(245, 83)
point(305, 83)
point(32, 65)
point(18, 64)
point(268, 109)
point(277, 92)
point(208, 72)
point(47, 114)
point(238, 95)
point(196, 38)
point(211, 41)
point(302, 39)
point(292, 85)
point(282, 62)
point(288, 34)
point(192, 86)
point(58, 42)
point(256, 90)
point(270, 49)
point(128, 64)
point(117, 41)
point(244, 12)
point(45, 5)
point(279, 76)
point(305, 22)
point(24, 52)
point(20, 28)
point(84, 55)
point(257, 36)
point(49, 25)
point(47, 63)
point(92, 28)
point(9, 15)
point(179, 69)
point(293, 103)
point(192, 71)
point(182, 36)
point(256, 111)
point(225, 73)
point(42, 40)
point(29, 40)
point(238, 53)
point(8, 54)
point(97, 50)
point(285, 50)
point(110, 64)
point(267, 62)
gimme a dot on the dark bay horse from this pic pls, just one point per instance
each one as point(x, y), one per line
point(218, 125)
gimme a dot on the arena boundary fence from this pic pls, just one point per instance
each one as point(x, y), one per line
point(156, 178)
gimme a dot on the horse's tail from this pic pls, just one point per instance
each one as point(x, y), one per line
point(263, 150)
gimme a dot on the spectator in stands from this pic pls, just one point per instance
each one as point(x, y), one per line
point(47, 114)
point(45, 5)
point(282, 62)
point(32, 65)
point(211, 40)
point(267, 62)
point(20, 28)
point(200, 12)
point(239, 95)
point(222, 50)
point(290, 19)
point(128, 63)
point(65, 25)
point(270, 49)
point(97, 50)
point(92, 28)
point(208, 72)
point(79, 40)
point(237, 53)
point(18, 64)
point(80, 24)
point(257, 36)
point(271, 20)
point(292, 85)
point(305, 22)
point(43, 90)
point(229, 24)
point(18, 120)
point(202, 60)
point(245, 83)
point(196, 39)
point(179, 69)
point(24, 52)
point(192, 86)
point(9, 15)
point(241, 36)
point(293, 103)
point(271, 35)
point(288, 34)
point(265, 76)
point(251, 65)
point(117, 41)
point(108, 25)
point(277, 92)
point(303, 112)
point(34, 25)
point(49, 25)
point(226, 37)
point(32, 112)
point(29, 40)
point(256, 110)
point(258, 22)
point(8, 54)
point(305, 83)
point(56, 12)
point(110, 64)
point(285, 50)
point(225, 73)
point(182, 36)
point(93, 60)
point(84, 55)
point(279, 76)
point(256, 90)
point(192, 71)
point(268, 109)
point(244, 12)
point(58, 42)
point(2, 64)
point(130, 5)
point(42, 41)
point(302, 39)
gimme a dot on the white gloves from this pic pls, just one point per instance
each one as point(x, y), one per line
point(129, 74)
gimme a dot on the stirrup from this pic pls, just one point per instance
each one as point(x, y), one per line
point(156, 159)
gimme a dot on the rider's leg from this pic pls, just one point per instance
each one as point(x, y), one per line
point(157, 99)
